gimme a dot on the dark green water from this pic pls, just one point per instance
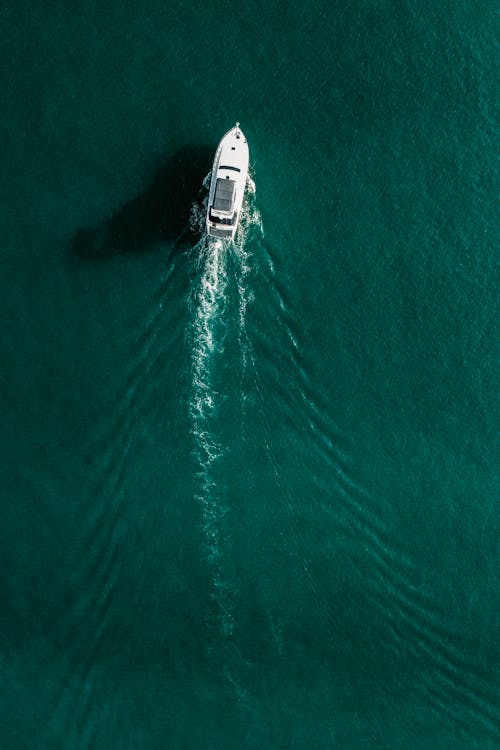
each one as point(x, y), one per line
point(248, 495)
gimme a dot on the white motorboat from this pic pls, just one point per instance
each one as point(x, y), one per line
point(227, 185)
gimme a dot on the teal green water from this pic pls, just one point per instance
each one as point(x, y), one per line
point(248, 494)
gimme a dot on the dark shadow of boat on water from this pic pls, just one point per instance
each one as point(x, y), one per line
point(160, 213)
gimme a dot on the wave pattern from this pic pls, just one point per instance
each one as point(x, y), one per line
point(459, 687)
point(85, 625)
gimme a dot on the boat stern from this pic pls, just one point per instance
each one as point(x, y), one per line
point(218, 231)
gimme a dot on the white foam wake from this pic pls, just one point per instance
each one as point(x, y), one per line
point(207, 332)
point(206, 304)
point(211, 290)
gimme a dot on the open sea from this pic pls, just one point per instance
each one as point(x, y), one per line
point(249, 492)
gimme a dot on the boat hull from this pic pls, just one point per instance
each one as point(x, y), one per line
point(227, 185)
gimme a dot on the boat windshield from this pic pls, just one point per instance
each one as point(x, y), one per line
point(233, 169)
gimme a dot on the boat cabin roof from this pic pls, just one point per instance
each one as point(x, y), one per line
point(224, 194)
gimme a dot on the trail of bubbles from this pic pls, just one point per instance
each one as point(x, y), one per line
point(207, 331)
point(206, 304)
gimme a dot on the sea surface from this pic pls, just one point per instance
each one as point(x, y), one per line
point(249, 492)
